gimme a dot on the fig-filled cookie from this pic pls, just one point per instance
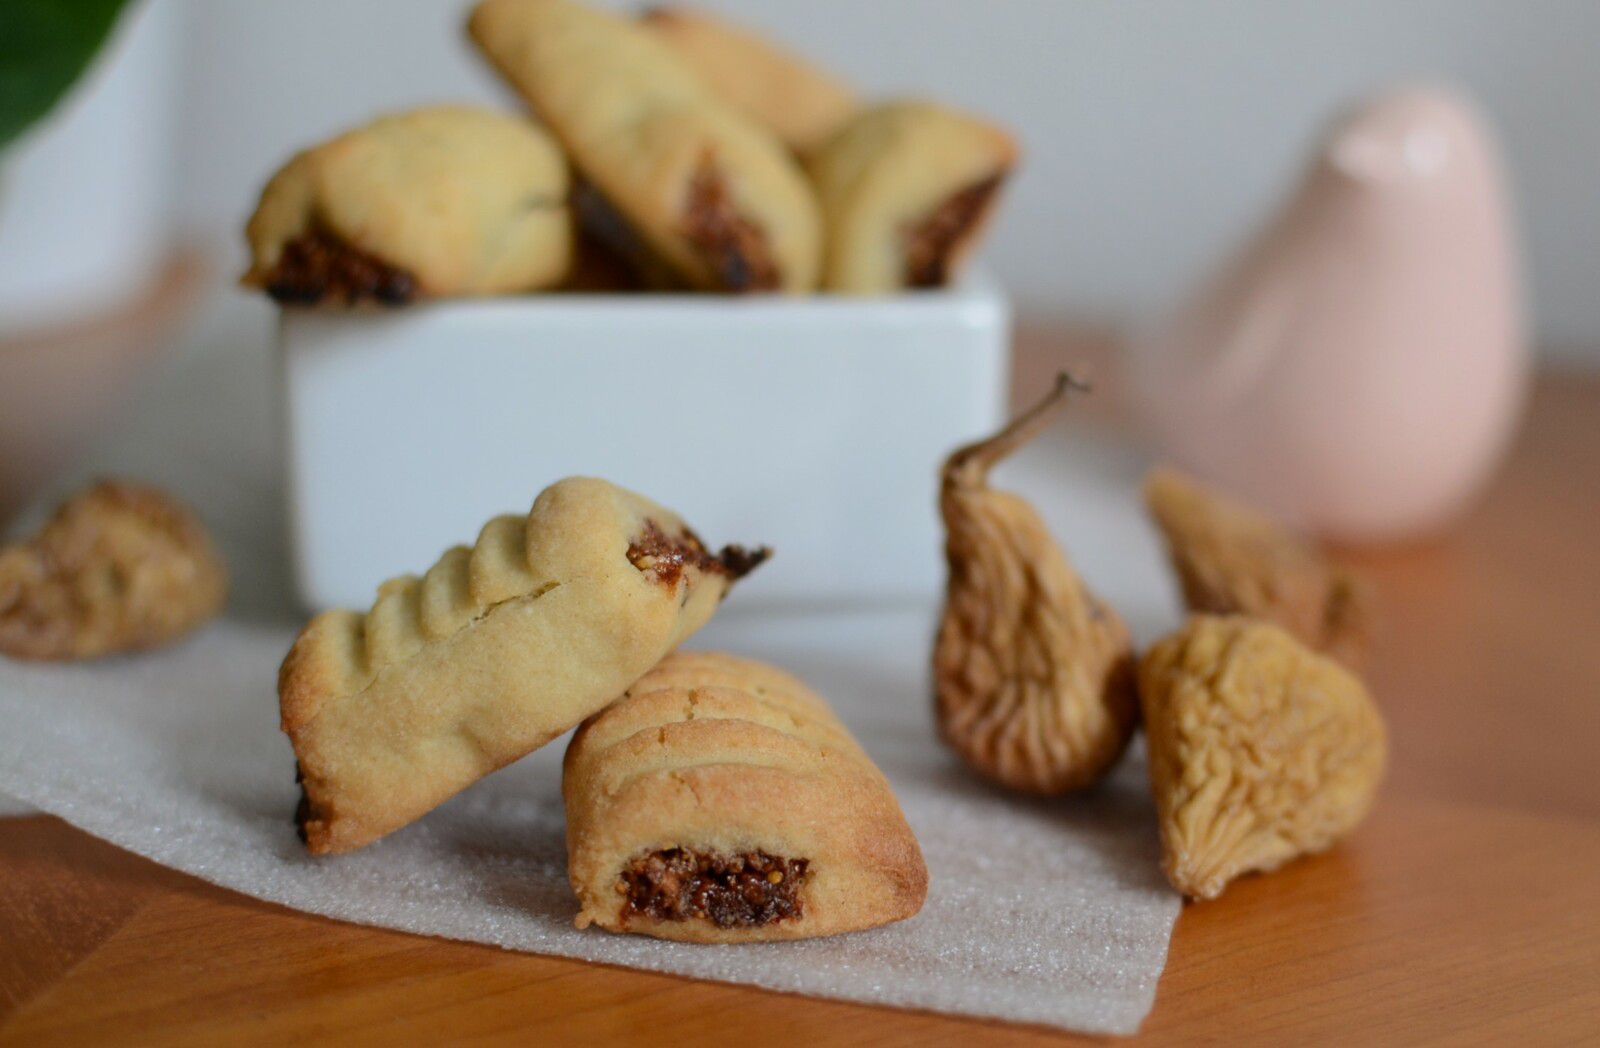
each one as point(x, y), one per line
point(678, 181)
point(495, 651)
point(720, 800)
point(442, 201)
point(906, 191)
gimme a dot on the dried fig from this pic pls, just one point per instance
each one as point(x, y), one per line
point(1033, 675)
point(1261, 750)
point(119, 567)
point(1231, 559)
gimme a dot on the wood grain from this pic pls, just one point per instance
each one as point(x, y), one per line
point(1465, 911)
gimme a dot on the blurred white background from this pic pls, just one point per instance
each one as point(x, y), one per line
point(1157, 131)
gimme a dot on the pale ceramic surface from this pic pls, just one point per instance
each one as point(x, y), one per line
point(813, 425)
point(1360, 365)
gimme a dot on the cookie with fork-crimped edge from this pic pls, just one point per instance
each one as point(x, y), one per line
point(720, 800)
point(492, 653)
point(906, 189)
point(676, 179)
point(436, 202)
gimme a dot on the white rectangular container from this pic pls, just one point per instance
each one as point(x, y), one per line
point(815, 426)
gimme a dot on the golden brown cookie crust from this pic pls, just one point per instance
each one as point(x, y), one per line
point(720, 800)
point(435, 202)
point(801, 103)
point(120, 567)
point(650, 137)
point(495, 651)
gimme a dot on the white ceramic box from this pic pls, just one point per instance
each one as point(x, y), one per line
point(815, 426)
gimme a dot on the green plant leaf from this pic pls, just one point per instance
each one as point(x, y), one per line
point(45, 45)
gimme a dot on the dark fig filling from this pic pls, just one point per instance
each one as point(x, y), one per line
point(932, 244)
point(665, 556)
point(598, 269)
point(317, 266)
point(614, 247)
point(747, 890)
point(734, 247)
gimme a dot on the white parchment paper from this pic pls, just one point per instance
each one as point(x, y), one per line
point(1049, 912)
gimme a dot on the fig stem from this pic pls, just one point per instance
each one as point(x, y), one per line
point(969, 466)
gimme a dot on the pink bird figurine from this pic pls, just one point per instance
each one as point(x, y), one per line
point(1360, 365)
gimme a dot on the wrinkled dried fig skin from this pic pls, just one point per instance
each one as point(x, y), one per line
point(1034, 682)
point(1261, 750)
point(118, 568)
point(1033, 677)
point(1232, 560)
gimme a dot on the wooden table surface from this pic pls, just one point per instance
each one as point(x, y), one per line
point(1467, 909)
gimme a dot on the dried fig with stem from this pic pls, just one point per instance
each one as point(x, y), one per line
point(1261, 750)
point(1033, 675)
point(119, 567)
point(1231, 559)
